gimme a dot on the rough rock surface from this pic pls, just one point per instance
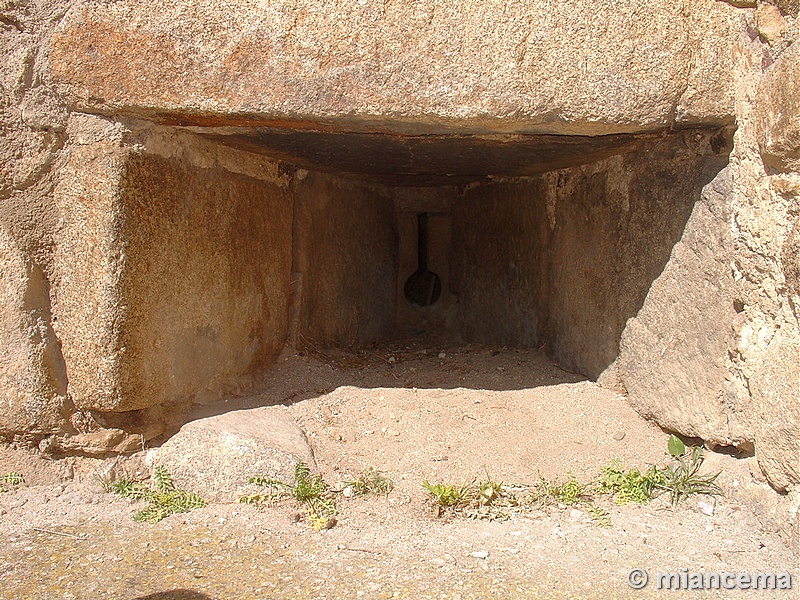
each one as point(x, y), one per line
point(30, 399)
point(215, 456)
point(776, 391)
point(572, 67)
point(778, 113)
point(672, 353)
point(33, 396)
point(173, 273)
point(147, 277)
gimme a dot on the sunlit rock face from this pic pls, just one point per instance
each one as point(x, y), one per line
point(186, 190)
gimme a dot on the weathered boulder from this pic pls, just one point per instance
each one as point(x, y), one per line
point(778, 112)
point(32, 380)
point(215, 456)
point(573, 67)
point(673, 354)
point(776, 394)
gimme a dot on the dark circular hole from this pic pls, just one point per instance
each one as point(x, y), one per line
point(423, 288)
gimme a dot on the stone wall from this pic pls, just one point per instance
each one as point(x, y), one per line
point(112, 292)
point(33, 386)
point(566, 259)
point(172, 271)
point(346, 255)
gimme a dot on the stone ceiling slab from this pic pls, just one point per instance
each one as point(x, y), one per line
point(569, 67)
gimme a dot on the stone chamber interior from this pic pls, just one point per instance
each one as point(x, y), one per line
point(536, 241)
point(529, 240)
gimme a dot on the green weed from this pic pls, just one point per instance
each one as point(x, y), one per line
point(569, 492)
point(371, 481)
point(682, 480)
point(449, 496)
point(11, 481)
point(163, 497)
point(629, 486)
point(599, 516)
point(308, 488)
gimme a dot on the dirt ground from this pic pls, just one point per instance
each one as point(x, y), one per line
point(434, 412)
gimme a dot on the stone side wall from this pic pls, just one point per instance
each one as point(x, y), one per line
point(33, 386)
point(567, 259)
point(345, 256)
point(173, 271)
point(724, 365)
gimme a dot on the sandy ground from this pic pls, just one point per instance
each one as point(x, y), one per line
point(438, 413)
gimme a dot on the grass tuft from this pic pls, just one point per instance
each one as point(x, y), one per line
point(682, 480)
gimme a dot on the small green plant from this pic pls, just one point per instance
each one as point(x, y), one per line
point(371, 481)
point(486, 500)
point(682, 480)
point(11, 481)
point(599, 516)
point(675, 446)
point(163, 497)
point(489, 492)
point(449, 496)
point(569, 492)
point(630, 486)
point(308, 488)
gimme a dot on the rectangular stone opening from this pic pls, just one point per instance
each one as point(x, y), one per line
point(218, 248)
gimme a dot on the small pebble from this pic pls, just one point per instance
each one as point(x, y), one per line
point(442, 355)
point(619, 436)
point(348, 492)
point(705, 508)
point(392, 360)
point(479, 554)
